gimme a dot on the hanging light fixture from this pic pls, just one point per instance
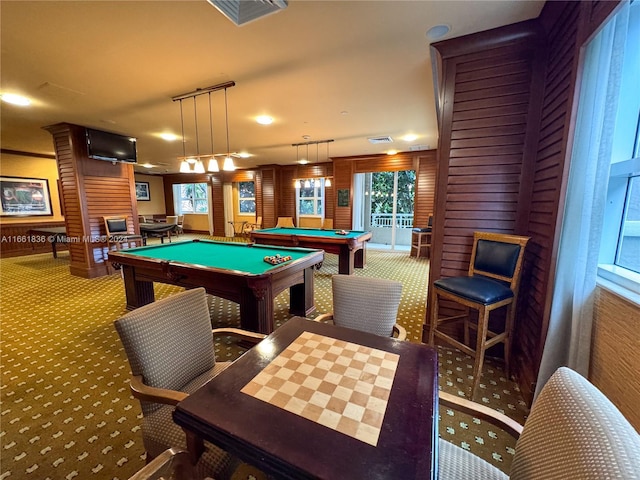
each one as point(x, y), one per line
point(327, 182)
point(228, 161)
point(307, 183)
point(195, 163)
point(198, 167)
point(184, 165)
point(213, 163)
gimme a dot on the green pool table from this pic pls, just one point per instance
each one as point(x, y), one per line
point(235, 271)
point(350, 248)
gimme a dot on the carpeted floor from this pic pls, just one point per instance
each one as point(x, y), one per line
point(66, 411)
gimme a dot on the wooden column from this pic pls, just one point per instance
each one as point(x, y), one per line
point(90, 190)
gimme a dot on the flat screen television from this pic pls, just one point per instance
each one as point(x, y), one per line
point(111, 146)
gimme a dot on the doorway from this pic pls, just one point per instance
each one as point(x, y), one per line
point(383, 205)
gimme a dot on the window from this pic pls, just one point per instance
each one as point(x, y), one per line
point(191, 198)
point(246, 197)
point(620, 247)
point(310, 197)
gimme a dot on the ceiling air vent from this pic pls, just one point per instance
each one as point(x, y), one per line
point(385, 139)
point(244, 11)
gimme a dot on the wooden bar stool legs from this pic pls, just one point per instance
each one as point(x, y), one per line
point(492, 282)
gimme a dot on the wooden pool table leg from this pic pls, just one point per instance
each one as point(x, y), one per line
point(137, 293)
point(256, 308)
point(346, 260)
point(301, 295)
point(360, 258)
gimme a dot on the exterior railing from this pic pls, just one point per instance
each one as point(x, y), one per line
point(385, 220)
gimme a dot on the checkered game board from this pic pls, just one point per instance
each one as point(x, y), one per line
point(341, 385)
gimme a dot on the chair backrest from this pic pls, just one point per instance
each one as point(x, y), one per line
point(310, 222)
point(172, 219)
point(327, 224)
point(169, 342)
point(116, 225)
point(180, 220)
point(499, 256)
point(574, 431)
point(365, 303)
point(259, 223)
point(285, 222)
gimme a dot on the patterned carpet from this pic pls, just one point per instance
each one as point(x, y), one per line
point(66, 411)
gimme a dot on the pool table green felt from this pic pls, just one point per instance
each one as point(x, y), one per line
point(229, 256)
point(350, 246)
point(235, 271)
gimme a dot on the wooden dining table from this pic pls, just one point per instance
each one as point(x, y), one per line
point(314, 400)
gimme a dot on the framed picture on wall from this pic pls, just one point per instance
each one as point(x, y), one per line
point(24, 197)
point(343, 197)
point(142, 191)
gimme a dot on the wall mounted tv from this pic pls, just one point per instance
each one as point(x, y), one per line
point(111, 146)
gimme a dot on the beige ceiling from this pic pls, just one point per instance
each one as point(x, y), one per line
point(342, 70)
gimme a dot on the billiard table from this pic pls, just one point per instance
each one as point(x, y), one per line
point(234, 271)
point(53, 235)
point(350, 247)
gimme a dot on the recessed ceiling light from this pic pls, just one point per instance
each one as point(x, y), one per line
point(169, 137)
point(264, 120)
point(244, 155)
point(410, 137)
point(147, 165)
point(438, 31)
point(14, 99)
point(391, 152)
point(303, 161)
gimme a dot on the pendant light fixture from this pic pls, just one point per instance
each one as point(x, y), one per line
point(307, 183)
point(198, 167)
point(213, 163)
point(296, 183)
point(228, 161)
point(327, 182)
point(197, 160)
point(184, 165)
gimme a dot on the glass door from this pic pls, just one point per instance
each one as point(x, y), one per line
point(386, 207)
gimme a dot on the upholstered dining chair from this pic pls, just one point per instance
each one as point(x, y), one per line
point(169, 345)
point(572, 432)
point(250, 227)
point(367, 304)
point(492, 282)
point(173, 464)
point(118, 234)
point(180, 225)
point(285, 222)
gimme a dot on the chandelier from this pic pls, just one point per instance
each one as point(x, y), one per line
point(303, 161)
point(195, 163)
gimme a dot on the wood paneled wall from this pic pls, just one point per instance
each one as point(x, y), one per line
point(614, 353)
point(268, 196)
point(505, 106)
point(343, 170)
point(286, 205)
point(17, 241)
point(425, 192)
point(91, 189)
